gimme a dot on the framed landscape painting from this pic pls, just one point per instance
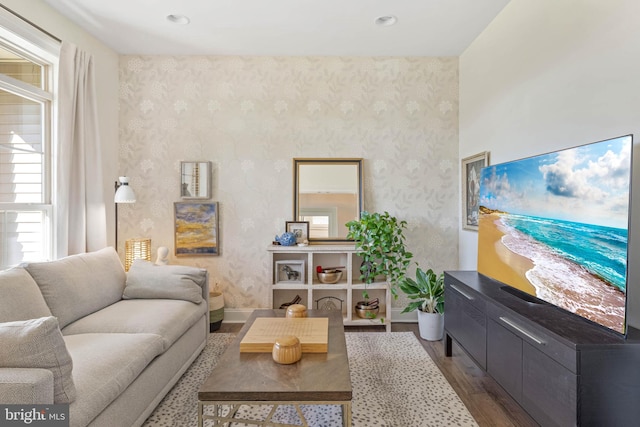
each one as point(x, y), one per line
point(196, 229)
point(471, 167)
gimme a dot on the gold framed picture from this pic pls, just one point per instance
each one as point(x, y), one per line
point(196, 229)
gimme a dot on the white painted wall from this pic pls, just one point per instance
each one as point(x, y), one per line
point(551, 74)
point(106, 60)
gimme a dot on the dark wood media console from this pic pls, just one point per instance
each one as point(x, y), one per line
point(563, 370)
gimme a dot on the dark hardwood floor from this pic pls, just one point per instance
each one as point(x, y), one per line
point(489, 404)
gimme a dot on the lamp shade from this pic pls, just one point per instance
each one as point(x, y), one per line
point(124, 193)
point(136, 249)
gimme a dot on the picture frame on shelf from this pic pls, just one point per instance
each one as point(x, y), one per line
point(299, 228)
point(471, 167)
point(196, 229)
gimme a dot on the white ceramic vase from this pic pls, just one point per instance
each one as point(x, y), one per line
point(431, 325)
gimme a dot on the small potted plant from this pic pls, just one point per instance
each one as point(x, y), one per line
point(427, 293)
point(380, 241)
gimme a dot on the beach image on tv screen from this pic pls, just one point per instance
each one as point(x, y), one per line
point(556, 226)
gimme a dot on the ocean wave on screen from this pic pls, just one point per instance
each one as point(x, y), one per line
point(600, 250)
point(565, 283)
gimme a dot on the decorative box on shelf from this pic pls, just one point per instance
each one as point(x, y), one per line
point(290, 272)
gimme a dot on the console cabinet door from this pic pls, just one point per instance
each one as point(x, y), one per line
point(548, 389)
point(545, 389)
point(504, 358)
point(467, 324)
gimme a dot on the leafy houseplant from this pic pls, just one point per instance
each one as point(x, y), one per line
point(380, 241)
point(427, 293)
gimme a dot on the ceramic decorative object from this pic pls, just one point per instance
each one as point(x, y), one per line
point(296, 310)
point(287, 239)
point(287, 350)
point(163, 256)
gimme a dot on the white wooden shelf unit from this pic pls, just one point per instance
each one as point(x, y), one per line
point(349, 289)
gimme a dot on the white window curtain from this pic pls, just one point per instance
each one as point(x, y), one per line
point(81, 217)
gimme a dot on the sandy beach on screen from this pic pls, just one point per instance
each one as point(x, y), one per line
point(583, 293)
point(494, 257)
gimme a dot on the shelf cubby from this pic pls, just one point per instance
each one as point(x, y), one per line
point(349, 289)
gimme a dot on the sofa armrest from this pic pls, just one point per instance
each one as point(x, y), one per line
point(205, 288)
point(26, 386)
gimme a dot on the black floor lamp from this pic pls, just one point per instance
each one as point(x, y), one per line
point(124, 194)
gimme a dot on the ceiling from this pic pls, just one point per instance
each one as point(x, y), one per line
point(284, 27)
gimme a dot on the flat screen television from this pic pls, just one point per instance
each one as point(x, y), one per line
point(556, 226)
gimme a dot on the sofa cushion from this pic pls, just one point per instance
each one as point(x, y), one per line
point(20, 297)
point(79, 284)
point(38, 343)
point(104, 366)
point(22, 386)
point(166, 318)
point(147, 280)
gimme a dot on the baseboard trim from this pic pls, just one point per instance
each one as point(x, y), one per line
point(397, 316)
point(240, 315)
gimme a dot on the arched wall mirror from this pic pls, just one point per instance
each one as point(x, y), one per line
point(328, 193)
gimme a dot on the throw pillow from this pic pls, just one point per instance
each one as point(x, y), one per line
point(147, 280)
point(20, 297)
point(38, 343)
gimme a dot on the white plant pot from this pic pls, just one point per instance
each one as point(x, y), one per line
point(431, 325)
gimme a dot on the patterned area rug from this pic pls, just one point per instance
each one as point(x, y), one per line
point(395, 383)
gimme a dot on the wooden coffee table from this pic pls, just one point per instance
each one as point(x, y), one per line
point(255, 379)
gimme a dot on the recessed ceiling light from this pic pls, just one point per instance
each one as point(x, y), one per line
point(178, 19)
point(386, 21)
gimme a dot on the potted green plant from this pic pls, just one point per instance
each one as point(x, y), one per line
point(380, 241)
point(427, 293)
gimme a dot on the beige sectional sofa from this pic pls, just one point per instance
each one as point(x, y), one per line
point(80, 330)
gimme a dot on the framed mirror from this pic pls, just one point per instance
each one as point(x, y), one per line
point(328, 193)
point(195, 180)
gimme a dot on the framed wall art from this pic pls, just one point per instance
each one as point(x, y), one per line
point(195, 180)
point(471, 167)
point(196, 229)
point(299, 228)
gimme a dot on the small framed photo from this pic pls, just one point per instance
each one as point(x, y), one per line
point(471, 167)
point(196, 229)
point(195, 180)
point(299, 228)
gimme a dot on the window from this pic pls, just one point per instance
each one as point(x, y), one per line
point(26, 111)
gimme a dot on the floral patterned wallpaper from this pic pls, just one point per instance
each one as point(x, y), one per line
point(250, 116)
